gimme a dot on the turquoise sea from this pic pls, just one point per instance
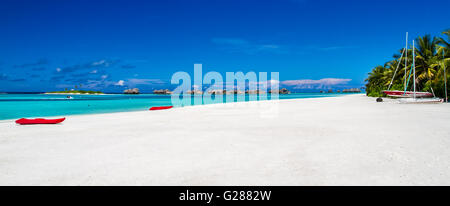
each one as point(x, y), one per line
point(14, 106)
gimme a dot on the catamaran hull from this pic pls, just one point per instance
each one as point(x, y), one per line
point(421, 101)
point(408, 94)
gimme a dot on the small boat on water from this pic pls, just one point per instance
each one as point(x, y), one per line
point(160, 108)
point(24, 121)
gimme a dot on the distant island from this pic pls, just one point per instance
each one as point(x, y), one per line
point(225, 92)
point(162, 91)
point(75, 92)
point(131, 91)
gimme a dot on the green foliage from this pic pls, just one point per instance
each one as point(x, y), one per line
point(76, 92)
point(432, 55)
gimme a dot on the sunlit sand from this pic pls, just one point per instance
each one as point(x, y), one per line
point(347, 140)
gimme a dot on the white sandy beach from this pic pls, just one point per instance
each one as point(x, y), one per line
point(348, 140)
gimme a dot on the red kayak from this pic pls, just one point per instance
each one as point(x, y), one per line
point(39, 121)
point(161, 108)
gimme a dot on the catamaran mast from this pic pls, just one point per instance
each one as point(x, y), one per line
point(414, 70)
point(406, 57)
point(395, 72)
point(445, 74)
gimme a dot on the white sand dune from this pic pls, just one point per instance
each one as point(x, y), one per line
point(349, 140)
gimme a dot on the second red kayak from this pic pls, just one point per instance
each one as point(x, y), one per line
point(39, 121)
point(161, 108)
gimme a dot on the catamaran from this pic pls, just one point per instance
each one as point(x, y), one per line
point(410, 94)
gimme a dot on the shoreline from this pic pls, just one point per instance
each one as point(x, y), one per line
point(344, 140)
point(71, 94)
point(145, 110)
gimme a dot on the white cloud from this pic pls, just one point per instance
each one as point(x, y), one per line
point(331, 48)
point(145, 81)
point(58, 69)
point(120, 83)
point(101, 62)
point(328, 81)
point(268, 82)
point(315, 84)
point(93, 72)
point(244, 46)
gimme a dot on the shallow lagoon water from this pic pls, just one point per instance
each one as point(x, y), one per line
point(43, 105)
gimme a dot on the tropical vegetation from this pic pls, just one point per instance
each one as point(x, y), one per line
point(75, 92)
point(432, 55)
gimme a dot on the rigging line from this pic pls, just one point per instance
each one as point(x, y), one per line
point(406, 59)
point(399, 61)
point(409, 77)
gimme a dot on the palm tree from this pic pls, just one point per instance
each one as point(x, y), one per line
point(443, 53)
point(442, 41)
point(375, 81)
point(426, 60)
point(432, 54)
point(396, 64)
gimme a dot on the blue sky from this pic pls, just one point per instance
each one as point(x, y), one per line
point(112, 45)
